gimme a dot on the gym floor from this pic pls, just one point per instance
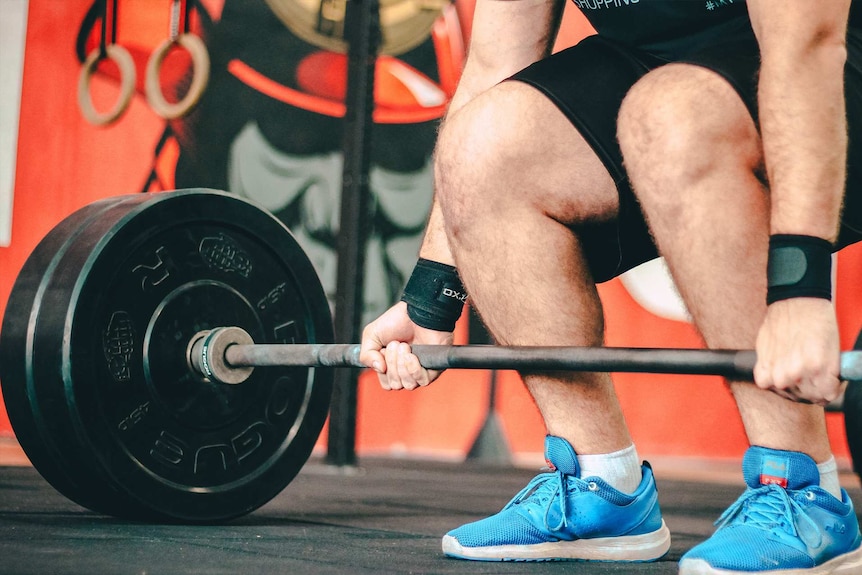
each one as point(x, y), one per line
point(385, 516)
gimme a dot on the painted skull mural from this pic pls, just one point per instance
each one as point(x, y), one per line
point(269, 124)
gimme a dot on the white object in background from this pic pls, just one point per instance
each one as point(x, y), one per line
point(13, 34)
point(653, 289)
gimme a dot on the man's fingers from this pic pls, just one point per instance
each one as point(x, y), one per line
point(411, 373)
point(763, 374)
point(403, 368)
point(374, 359)
point(393, 380)
point(370, 351)
point(814, 388)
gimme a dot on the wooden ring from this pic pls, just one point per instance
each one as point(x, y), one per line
point(126, 65)
point(201, 65)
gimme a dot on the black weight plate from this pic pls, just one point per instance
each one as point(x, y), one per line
point(853, 417)
point(23, 398)
point(47, 367)
point(181, 448)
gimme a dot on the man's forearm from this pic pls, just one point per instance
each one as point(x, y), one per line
point(507, 36)
point(435, 245)
point(802, 114)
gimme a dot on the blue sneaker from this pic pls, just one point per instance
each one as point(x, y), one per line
point(561, 517)
point(784, 523)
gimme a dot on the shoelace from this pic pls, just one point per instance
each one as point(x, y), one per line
point(768, 506)
point(544, 489)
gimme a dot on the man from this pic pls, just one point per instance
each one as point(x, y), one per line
point(724, 126)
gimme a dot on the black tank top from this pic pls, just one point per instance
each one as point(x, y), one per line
point(646, 22)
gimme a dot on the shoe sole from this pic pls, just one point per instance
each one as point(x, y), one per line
point(847, 564)
point(631, 548)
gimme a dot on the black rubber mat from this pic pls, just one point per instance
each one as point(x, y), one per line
point(385, 517)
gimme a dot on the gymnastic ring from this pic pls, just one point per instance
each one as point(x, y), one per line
point(200, 76)
point(126, 65)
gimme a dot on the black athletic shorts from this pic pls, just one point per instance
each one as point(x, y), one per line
point(588, 82)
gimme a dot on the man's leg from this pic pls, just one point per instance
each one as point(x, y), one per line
point(693, 155)
point(694, 158)
point(514, 178)
point(513, 175)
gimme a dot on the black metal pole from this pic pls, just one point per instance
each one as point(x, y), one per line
point(362, 31)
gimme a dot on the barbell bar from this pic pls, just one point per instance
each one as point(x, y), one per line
point(228, 355)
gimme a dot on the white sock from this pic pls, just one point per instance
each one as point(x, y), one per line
point(829, 477)
point(620, 469)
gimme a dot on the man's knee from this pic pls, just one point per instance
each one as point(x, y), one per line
point(477, 147)
point(512, 149)
point(480, 135)
point(682, 120)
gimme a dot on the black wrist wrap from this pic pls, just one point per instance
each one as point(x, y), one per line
point(798, 266)
point(435, 295)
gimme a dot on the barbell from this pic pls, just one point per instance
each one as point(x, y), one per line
point(130, 343)
point(228, 355)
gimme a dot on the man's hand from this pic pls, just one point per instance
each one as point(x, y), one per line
point(386, 349)
point(798, 354)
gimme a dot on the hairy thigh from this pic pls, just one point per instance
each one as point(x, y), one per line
point(511, 146)
point(681, 120)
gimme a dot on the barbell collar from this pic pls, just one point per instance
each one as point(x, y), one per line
point(206, 355)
